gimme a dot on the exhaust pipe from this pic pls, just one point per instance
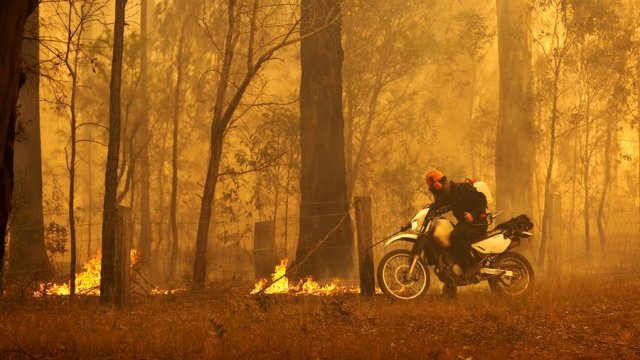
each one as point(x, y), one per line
point(496, 272)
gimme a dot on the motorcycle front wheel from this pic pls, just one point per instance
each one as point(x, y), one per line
point(394, 278)
point(522, 281)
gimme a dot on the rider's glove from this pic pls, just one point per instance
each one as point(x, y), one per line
point(468, 217)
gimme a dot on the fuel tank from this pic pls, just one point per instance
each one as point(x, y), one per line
point(442, 232)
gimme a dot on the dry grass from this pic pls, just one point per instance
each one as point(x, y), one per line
point(590, 317)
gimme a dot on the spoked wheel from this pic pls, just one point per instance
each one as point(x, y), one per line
point(522, 281)
point(394, 278)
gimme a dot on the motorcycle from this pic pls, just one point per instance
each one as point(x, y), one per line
point(403, 274)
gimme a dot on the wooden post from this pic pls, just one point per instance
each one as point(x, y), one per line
point(365, 240)
point(265, 257)
point(122, 265)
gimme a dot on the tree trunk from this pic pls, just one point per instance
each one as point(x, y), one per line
point(90, 201)
point(574, 183)
point(514, 143)
point(323, 185)
point(206, 210)
point(145, 182)
point(605, 186)
point(71, 166)
point(585, 182)
point(587, 216)
point(638, 127)
point(13, 15)
point(173, 263)
point(160, 201)
point(349, 118)
point(352, 177)
point(286, 209)
point(215, 152)
point(277, 196)
point(222, 116)
point(546, 220)
point(111, 175)
point(28, 256)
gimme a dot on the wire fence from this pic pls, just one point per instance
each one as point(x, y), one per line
point(232, 248)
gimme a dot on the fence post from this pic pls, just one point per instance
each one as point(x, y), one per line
point(365, 240)
point(265, 257)
point(122, 264)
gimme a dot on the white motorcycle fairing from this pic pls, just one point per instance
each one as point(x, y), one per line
point(416, 223)
point(497, 244)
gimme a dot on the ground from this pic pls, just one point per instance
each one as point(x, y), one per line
point(587, 316)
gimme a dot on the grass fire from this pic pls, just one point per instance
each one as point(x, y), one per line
point(319, 179)
point(280, 284)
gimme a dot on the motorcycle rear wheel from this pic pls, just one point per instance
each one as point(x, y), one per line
point(521, 284)
point(394, 278)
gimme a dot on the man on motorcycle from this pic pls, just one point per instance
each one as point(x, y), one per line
point(468, 205)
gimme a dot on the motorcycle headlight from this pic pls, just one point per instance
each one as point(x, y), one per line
point(414, 224)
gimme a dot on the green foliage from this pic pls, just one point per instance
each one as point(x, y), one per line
point(55, 237)
point(272, 148)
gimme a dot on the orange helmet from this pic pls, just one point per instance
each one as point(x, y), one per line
point(435, 179)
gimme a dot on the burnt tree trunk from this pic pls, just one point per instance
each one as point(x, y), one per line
point(638, 127)
point(223, 112)
point(323, 185)
point(352, 176)
point(13, 15)
point(145, 182)
point(72, 67)
point(89, 202)
point(546, 219)
point(514, 143)
point(111, 175)
point(218, 128)
point(71, 167)
point(28, 255)
point(586, 181)
point(606, 182)
point(173, 260)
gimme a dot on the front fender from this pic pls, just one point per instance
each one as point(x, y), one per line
point(402, 237)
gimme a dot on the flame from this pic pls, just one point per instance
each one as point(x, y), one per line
point(134, 257)
point(308, 286)
point(280, 282)
point(158, 291)
point(88, 281)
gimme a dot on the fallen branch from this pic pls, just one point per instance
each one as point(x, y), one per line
point(141, 287)
point(145, 280)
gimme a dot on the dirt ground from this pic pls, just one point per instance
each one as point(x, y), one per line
point(586, 317)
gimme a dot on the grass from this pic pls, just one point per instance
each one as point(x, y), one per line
point(588, 317)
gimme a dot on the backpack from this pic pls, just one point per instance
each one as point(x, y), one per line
point(482, 187)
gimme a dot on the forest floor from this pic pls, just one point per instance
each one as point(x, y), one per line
point(588, 317)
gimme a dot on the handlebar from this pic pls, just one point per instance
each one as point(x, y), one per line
point(440, 211)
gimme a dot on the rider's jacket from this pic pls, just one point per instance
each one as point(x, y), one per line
point(464, 197)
